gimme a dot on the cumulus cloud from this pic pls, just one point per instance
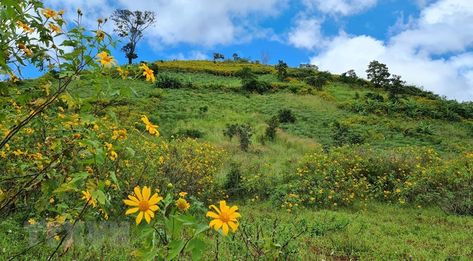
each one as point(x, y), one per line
point(442, 30)
point(193, 55)
point(340, 7)
point(201, 22)
point(306, 34)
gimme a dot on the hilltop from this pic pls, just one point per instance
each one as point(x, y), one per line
point(369, 174)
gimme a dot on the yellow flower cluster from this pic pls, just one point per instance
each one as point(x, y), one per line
point(106, 60)
point(150, 127)
point(148, 73)
point(223, 69)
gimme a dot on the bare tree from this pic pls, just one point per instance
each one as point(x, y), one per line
point(130, 25)
point(265, 57)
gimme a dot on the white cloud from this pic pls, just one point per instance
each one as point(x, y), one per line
point(340, 7)
point(307, 34)
point(201, 22)
point(444, 30)
point(193, 55)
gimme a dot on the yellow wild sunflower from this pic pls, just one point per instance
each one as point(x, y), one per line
point(150, 127)
point(182, 204)
point(100, 35)
point(25, 27)
point(224, 218)
point(106, 60)
point(148, 73)
point(54, 28)
point(89, 199)
point(49, 13)
point(143, 202)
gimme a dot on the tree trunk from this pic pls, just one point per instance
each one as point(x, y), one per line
point(130, 60)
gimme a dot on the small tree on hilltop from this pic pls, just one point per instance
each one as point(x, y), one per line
point(218, 56)
point(281, 68)
point(378, 74)
point(130, 25)
point(395, 87)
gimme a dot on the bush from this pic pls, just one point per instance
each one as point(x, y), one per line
point(243, 131)
point(346, 175)
point(316, 81)
point(273, 124)
point(189, 133)
point(286, 116)
point(167, 82)
point(233, 182)
point(447, 185)
point(260, 87)
point(344, 135)
point(190, 166)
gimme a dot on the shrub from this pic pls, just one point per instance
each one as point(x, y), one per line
point(286, 116)
point(447, 185)
point(346, 175)
point(167, 82)
point(316, 81)
point(281, 70)
point(243, 131)
point(273, 124)
point(190, 133)
point(190, 166)
point(233, 184)
point(344, 135)
point(257, 86)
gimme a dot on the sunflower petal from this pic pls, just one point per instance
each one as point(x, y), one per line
point(235, 215)
point(233, 209)
point(223, 205)
point(139, 218)
point(146, 193)
point(212, 214)
point(233, 225)
point(131, 211)
point(130, 203)
point(218, 224)
point(215, 208)
point(150, 213)
point(225, 229)
point(137, 191)
point(147, 217)
point(155, 199)
point(133, 198)
point(214, 222)
point(153, 208)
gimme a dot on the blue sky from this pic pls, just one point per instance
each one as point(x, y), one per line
point(428, 42)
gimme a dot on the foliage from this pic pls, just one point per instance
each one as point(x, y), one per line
point(131, 25)
point(221, 69)
point(316, 81)
point(271, 129)
point(169, 82)
point(281, 69)
point(378, 74)
point(334, 179)
point(344, 135)
point(286, 116)
point(243, 131)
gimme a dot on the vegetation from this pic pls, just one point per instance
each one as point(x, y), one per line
point(131, 25)
point(107, 162)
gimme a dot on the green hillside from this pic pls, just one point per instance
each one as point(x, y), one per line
point(350, 173)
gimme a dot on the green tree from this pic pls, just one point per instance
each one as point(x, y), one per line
point(378, 74)
point(281, 69)
point(130, 25)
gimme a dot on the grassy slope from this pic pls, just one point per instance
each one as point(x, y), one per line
point(379, 232)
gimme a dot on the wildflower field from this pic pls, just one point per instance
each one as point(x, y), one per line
point(181, 160)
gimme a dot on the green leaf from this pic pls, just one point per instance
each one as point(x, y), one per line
point(175, 248)
point(100, 196)
point(197, 248)
point(114, 179)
